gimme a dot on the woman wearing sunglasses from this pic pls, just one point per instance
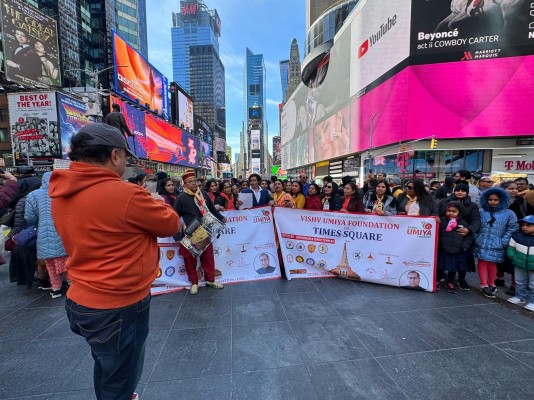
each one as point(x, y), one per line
point(416, 201)
point(330, 199)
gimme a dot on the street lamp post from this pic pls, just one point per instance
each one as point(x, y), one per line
point(368, 152)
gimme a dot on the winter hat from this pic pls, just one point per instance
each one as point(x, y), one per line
point(529, 219)
point(454, 204)
point(462, 186)
point(188, 174)
point(161, 175)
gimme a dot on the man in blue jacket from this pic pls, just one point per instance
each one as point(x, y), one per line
point(260, 196)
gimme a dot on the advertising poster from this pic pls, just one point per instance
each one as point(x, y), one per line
point(332, 136)
point(166, 143)
point(380, 35)
point(255, 164)
point(34, 128)
point(440, 106)
point(135, 119)
point(30, 45)
point(277, 150)
point(245, 251)
point(185, 112)
point(72, 118)
point(137, 79)
point(255, 140)
point(395, 251)
point(454, 30)
point(205, 156)
point(202, 129)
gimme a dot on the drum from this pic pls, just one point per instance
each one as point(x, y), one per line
point(203, 235)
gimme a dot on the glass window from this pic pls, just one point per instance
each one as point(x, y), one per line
point(3, 115)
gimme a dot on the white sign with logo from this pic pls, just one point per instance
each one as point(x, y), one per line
point(396, 251)
point(245, 251)
point(380, 35)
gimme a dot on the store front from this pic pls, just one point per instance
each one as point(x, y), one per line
point(509, 164)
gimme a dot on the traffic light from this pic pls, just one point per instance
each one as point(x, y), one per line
point(433, 143)
point(403, 147)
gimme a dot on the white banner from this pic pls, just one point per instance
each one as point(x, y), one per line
point(395, 251)
point(245, 251)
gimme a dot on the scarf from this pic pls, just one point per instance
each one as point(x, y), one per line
point(199, 200)
point(345, 203)
point(229, 201)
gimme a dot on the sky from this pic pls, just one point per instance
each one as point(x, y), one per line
point(264, 26)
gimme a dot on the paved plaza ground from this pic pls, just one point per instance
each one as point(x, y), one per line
point(304, 339)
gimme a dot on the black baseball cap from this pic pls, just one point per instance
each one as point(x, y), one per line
point(106, 135)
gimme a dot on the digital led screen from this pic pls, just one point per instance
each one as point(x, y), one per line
point(138, 80)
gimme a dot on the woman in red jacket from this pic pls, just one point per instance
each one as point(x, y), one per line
point(313, 201)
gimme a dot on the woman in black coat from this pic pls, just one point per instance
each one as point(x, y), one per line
point(469, 211)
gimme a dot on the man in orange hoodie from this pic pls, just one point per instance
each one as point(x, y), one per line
point(109, 229)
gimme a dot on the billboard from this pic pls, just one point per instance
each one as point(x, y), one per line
point(277, 150)
point(255, 113)
point(255, 140)
point(330, 138)
point(202, 129)
point(380, 41)
point(135, 119)
point(456, 30)
point(138, 80)
point(205, 154)
point(185, 111)
point(469, 103)
point(34, 128)
point(72, 118)
point(30, 45)
point(167, 143)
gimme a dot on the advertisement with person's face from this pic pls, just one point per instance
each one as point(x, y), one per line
point(34, 127)
point(30, 45)
point(455, 30)
point(185, 111)
point(331, 137)
point(137, 79)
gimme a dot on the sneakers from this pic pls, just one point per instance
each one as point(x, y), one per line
point(194, 289)
point(135, 396)
point(530, 306)
point(463, 285)
point(487, 292)
point(214, 285)
point(515, 300)
point(511, 291)
point(493, 289)
point(44, 284)
point(450, 288)
point(55, 293)
point(499, 282)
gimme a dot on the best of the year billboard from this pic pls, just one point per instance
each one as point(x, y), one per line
point(137, 79)
point(467, 30)
point(34, 128)
point(72, 118)
point(30, 45)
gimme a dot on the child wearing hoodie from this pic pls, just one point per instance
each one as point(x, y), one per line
point(521, 252)
point(491, 242)
point(452, 247)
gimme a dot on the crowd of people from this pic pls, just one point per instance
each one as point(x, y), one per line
point(85, 227)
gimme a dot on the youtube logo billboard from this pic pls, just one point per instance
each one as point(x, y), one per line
point(380, 40)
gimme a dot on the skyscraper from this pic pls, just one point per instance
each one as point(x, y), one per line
point(284, 71)
point(207, 86)
point(194, 25)
point(130, 23)
point(254, 106)
point(314, 9)
point(294, 77)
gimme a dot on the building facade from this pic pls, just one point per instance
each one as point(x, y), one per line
point(131, 23)
point(254, 106)
point(294, 74)
point(284, 71)
point(208, 87)
point(194, 25)
point(378, 101)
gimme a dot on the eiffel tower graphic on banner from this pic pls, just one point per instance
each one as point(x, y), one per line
point(343, 269)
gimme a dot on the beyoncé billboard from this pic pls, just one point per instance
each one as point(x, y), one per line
point(138, 80)
point(30, 45)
